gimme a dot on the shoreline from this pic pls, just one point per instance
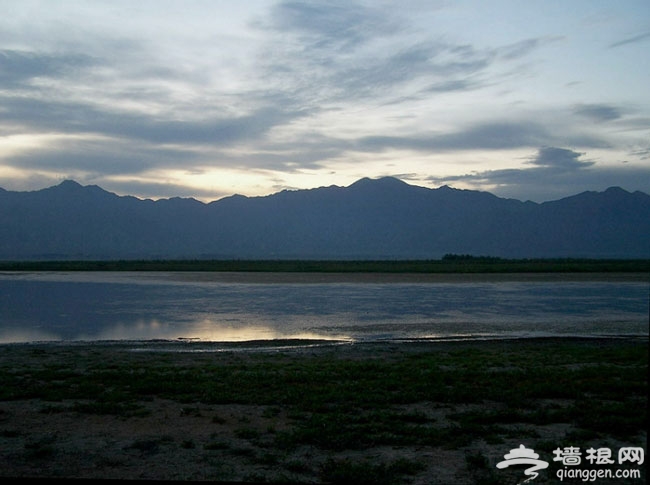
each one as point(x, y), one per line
point(307, 277)
point(191, 345)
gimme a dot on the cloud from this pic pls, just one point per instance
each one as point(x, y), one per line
point(318, 53)
point(78, 117)
point(642, 153)
point(598, 112)
point(18, 67)
point(323, 25)
point(156, 190)
point(100, 156)
point(524, 47)
point(496, 135)
point(449, 86)
point(631, 40)
point(560, 159)
point(333, 52)
point(325, 51)
point(554, 173)
point(427, 67)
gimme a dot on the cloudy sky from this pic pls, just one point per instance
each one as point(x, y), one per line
point(526, 99)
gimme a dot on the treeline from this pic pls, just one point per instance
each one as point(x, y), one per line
point(470, 257)
point(450, 263)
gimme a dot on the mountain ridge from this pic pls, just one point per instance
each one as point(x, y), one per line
point(384, 218)
point(381, 181)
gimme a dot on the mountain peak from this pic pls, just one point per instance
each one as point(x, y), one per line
point(71, 188)
point(382, 182)
point(616, 190)
point(70, 184)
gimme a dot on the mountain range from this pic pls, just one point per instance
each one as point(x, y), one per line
point(382, 218)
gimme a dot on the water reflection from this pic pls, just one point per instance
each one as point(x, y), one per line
point(149, 306)
point(205, 330)
point(13, 336)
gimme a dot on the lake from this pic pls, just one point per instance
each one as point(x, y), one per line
point(226, 307)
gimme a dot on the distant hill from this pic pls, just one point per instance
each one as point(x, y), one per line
point(371, 219)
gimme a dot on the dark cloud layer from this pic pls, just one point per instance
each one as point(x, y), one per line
point(498, 135)
point(554, 172)
point(598, 112)
point(102, 157)
point(324, 25)
point(560, 158)
point(19, 67)
point(75, 117)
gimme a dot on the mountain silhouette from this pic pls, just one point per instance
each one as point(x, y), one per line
point(382, 218)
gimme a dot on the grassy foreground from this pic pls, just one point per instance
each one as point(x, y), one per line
point(422, 412)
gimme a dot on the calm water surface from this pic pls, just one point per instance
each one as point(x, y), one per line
point(93, 306)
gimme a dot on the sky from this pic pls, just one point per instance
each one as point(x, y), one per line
point(533, 100)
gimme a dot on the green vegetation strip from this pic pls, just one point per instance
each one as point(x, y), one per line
point(344, 399)
point(448, 264)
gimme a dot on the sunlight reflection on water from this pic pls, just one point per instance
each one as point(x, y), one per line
point(205, 330)
point(235, 308)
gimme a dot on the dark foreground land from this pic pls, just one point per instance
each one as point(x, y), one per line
point(418, 412)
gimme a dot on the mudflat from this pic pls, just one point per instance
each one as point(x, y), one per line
point(417, 412)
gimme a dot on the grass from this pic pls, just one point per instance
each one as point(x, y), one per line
point(40, 449)
point(344, 400)
point(351, 472)
point(448, 264)
point(600, 379)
